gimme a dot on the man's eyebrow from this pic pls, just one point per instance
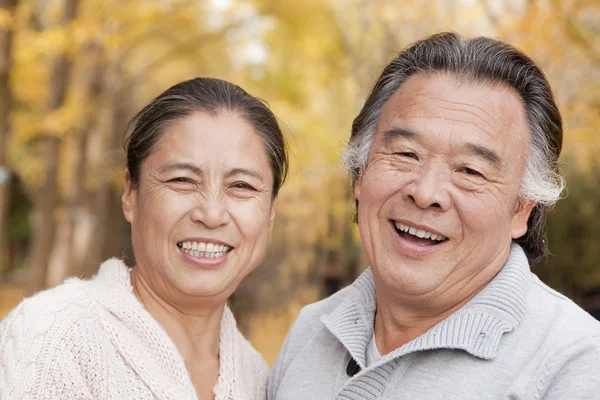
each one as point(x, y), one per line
point(484, 152)
point(181, 166)
point(399, 132)
point(245, 171)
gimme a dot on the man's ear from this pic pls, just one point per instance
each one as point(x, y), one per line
point(357, 186)
point(520, 218)
point(128, 198)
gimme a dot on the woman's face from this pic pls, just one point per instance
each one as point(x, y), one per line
point(202, 212)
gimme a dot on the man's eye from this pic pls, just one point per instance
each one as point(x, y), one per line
point(408, 154)
point(472, 172)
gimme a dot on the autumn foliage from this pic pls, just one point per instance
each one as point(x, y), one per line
point(73, 72)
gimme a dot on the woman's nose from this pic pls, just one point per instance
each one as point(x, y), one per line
point(212, 212)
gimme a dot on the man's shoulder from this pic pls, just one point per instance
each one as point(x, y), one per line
point(566, 321)
point(308, 323)
point(305, 329)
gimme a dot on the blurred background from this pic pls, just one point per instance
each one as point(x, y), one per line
point(73, 72)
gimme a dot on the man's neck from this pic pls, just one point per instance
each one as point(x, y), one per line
point(400, 320)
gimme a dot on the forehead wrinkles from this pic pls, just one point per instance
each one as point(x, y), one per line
point(491, 110)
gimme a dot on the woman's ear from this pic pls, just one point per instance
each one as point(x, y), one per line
point(128, 198)
point(272, 215)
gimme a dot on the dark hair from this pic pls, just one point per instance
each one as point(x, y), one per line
point(212, 96)
point(479, 60)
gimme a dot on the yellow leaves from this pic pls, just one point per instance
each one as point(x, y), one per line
point(53, 42)
point(7, 19)
point(27, 160)
point(25, 127)
point(54, 12)
point(60, 122)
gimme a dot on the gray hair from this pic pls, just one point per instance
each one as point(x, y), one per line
point(212, 96)
point(479, 60)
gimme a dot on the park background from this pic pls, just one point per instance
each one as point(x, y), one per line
point(73, 73)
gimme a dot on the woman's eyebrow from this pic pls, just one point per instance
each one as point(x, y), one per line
point(245, 171)
point(181, 166)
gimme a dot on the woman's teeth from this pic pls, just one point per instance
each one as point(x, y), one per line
point(201, 249)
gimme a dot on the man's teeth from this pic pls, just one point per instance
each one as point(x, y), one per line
point(201, 249)
point(418, 232)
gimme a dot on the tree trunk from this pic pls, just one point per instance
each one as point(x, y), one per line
point(110, 149)
point(47, 199)
point(6, 39)
point(73, 231)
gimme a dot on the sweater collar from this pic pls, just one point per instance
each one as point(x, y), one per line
point(476, 327)
point(117, 297)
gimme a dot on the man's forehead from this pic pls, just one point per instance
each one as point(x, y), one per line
point(490, 107)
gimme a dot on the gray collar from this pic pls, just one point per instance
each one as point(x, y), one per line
point(476, 328)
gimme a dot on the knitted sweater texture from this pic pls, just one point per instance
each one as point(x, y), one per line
point(94, 340)
point(516, 339)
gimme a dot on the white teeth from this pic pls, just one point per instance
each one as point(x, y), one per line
point(421, 233)
point(201, 249)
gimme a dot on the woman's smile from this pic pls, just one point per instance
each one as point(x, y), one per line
point(208, 254)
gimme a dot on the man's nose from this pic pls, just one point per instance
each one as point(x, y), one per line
point(428, 189)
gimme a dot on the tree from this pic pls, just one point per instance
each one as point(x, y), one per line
point(7, 8)
point(47, 198)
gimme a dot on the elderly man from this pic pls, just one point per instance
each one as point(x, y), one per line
point(454, 164)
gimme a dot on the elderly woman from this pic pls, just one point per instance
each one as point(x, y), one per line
point(205, 161)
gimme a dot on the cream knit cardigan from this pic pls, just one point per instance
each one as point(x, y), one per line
point(94, 340)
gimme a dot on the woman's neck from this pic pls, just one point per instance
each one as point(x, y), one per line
point(195, 331)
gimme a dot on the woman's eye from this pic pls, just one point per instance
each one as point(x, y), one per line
point(180, 180)
point(243, 185)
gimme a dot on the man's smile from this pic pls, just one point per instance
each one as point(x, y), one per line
point(419, 235)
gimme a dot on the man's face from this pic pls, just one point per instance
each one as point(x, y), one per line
point(438, 201)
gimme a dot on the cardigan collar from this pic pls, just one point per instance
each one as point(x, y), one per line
point(153, 346)
point(476, 327)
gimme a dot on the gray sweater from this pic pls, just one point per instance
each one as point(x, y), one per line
point(516, 339)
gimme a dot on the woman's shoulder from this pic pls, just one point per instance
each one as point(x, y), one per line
point(243, 370)
point(43, 333)
point(73, 305)
point(46, 314)
point(251, 356)
point(247, 354)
